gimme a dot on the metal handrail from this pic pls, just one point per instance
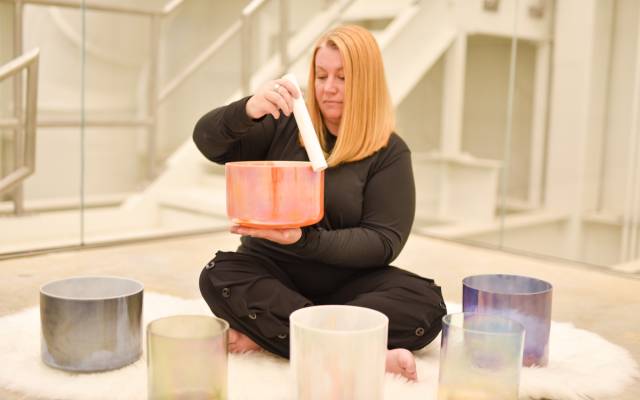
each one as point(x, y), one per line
point(152, 104)
point(339, 8)
point(199, 61)
point(25, 161)
point(286, 59)
point(101, 6)
point(243, 26)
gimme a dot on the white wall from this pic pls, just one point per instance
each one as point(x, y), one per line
point(618, 122)
point(577, 111)
point(6, 87)
point(419, 114)
point(485, 107)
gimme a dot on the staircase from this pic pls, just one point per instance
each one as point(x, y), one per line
point(191, 185)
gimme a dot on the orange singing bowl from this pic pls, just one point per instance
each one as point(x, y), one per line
point(274, 194)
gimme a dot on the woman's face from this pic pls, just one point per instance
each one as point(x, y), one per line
point(329, 86)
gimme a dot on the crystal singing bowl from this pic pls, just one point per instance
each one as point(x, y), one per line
point(91, 323)
point(338, 352)
point(523, 299)
point(480, 357)
point(274, 194)
point(187, 358)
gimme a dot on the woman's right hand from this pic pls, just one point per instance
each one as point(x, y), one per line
point(272, 98)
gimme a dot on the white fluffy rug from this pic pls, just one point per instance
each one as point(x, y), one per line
point(581, 365)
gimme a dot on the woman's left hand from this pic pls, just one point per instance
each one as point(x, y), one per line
point(282, 236)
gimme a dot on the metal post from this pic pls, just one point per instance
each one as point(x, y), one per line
point(245, 51)
point(508, 134)
point(629, 217)
point(152, 97)
point(538, 125)
point(31, 114)
point(284, 35)
point(18, 137)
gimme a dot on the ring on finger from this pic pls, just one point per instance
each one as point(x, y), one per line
point(276, 87)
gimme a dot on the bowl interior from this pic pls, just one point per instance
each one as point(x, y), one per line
point(507, 284)
point(339, 319)
point(92, 288)
point(269, 164)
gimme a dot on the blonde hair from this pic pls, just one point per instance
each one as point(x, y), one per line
point(368, 117)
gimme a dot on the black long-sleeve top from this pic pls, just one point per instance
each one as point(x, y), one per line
point(369, 204)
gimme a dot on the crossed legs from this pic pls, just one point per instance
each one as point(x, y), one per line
point(256, 297)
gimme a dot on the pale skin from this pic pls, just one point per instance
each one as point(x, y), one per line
point(276, 97)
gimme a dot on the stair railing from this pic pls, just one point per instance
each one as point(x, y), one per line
point(24, 128)
point(149, 122)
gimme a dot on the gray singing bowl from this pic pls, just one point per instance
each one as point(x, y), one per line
point(91, 323)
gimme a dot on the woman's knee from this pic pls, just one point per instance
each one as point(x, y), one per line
point(419, 320)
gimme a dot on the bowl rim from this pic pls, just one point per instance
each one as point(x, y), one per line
point(269, 164)
point(223, 326)
point(452, 320)
point(295, 320)
point(471, 282)
point(140, 289)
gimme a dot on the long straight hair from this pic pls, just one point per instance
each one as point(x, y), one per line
point(368, 118)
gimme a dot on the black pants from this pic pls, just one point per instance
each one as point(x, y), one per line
point(256, 297)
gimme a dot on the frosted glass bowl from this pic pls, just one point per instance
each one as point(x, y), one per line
point(187, 358)
point(274, 194)
point(338, 352)
point(521, 298)
point(480, 357)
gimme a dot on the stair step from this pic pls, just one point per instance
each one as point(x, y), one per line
point(374, 9)
point(209, 201)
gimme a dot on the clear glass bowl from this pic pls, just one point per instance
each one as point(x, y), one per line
point(480, 357)
point(187, 358)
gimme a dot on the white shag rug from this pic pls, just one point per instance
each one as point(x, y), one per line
point(581, 365)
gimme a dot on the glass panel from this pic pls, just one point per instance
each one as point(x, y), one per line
point(583, 182)
point(456, 116)
point(546, 159)
point(146, 170)
point(50, 214)
point(533, 150)
point(6, 100)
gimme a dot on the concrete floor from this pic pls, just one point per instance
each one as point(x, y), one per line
point(600, 302)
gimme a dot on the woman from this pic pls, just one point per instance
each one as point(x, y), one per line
point(369, 208)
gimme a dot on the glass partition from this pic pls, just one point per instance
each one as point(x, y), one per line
point(43, 209)
point(549, 137)
point(163, 70)
point(522, 116)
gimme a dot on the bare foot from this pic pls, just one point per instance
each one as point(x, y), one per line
point(401, 361)
point(241, 343)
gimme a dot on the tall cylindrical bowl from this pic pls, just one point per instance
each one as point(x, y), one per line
point(274, 194)
point(480, 357)
point(187, 358)
point(521, 298)
point(91, 323)
point(338, 352)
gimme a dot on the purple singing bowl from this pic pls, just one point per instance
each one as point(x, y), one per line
point(523, 299)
